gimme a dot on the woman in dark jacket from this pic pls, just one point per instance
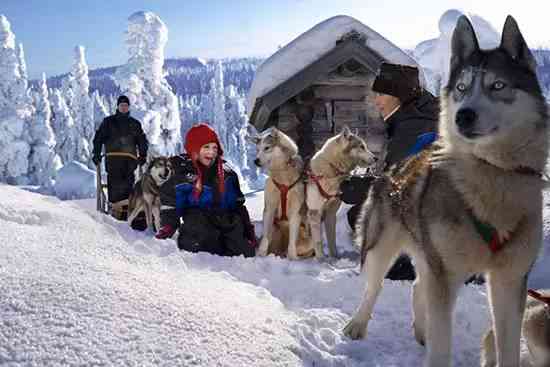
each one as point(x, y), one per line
point(205, 193)
point(410, 115)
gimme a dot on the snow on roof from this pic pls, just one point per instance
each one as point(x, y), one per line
point(310, 46)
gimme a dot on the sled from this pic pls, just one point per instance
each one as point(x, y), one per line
point(101, 197)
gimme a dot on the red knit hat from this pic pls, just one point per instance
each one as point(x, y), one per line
point(198, 136)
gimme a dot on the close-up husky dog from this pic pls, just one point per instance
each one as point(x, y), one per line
point(285, 230)
point(471, 204)
point(334, 162)
point(535, 330)
point(146, 196)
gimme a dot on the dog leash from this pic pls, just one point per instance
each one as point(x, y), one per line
point(539, 297)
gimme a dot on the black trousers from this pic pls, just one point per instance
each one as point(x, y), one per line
point(218, 232)
point(402, 269)
point(120, 177)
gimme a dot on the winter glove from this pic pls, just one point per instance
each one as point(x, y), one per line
point(354, 189)
point(166, 231)
point(142, 160)
point(97, 160)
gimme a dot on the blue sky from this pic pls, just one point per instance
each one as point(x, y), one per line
point(49, 29)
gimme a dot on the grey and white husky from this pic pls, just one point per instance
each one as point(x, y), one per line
point(471, 204)
point(146, 196)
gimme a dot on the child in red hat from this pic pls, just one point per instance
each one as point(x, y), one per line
point(205, 192)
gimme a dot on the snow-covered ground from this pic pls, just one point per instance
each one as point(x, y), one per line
point(79, 288)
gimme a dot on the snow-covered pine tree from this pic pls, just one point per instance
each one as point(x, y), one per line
point(99, 110)
point(142, 80)
point(76, 92)
point(15, 109)
point(244, 152)
point(69, 146)
point(43, 161)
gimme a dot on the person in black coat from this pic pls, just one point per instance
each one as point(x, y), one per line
point(204, 192)
point(125, 147)
point(410, 115)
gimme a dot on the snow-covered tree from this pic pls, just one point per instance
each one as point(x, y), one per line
point(217, 96)
point(43, 161)
point(99, 110)
point(142, 80)
point(69, 145)
point(241, 151)
point(21, 61)
point(15, 109)
point(75, 89)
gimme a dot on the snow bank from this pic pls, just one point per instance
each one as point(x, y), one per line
point(75, 181)
point(80, 288)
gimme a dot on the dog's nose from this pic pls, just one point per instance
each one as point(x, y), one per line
point(465, 118)
point(257, 162)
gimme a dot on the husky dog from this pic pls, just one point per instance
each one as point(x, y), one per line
point(535, 330)
point(328, 168)
point(471, 205)
point(284, 220)
point(145, 196)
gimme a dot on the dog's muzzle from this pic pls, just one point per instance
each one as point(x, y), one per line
point(465, 120)
point(257, 162)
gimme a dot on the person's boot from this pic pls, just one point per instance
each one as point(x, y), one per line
point(166, 231)
point(119, 210)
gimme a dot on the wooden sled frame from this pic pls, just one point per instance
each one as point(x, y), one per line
point(101, 198)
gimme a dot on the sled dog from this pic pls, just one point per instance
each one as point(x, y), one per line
point(284, 219)
point(535, 330)
point(145, 196)
point(471, 204)
point(335, 160)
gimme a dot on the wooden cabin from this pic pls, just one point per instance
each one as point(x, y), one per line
point(330, 92)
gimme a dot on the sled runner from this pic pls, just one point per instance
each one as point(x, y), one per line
point(101, 197)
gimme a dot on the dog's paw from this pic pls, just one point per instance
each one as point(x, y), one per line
point(419, 335)
point(292, 255)
point(355, 329)
point(262, 249)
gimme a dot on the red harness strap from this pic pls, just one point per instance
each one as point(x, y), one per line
point(283, 189)
point(317, 178)
point(538, 296)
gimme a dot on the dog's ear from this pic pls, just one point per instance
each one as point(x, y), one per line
point(346, 132)
point(464, 42)
point(253, 139)
point(514, 44)
point(273, 136)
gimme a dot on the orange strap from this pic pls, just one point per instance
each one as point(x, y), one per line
point(121, 154)
point(283, 189)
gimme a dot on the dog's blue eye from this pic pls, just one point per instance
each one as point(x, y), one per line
point(498, 85)
point(266, 149)
point(461, 87)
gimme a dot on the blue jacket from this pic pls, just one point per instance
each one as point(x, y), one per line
point(232, 196)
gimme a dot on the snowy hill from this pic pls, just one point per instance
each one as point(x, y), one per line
point(79, 288)
point(187, 76)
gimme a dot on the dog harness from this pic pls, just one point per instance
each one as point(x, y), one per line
point(486, 230)
point(317, 180)
point(283, 189)
point(488, 233)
